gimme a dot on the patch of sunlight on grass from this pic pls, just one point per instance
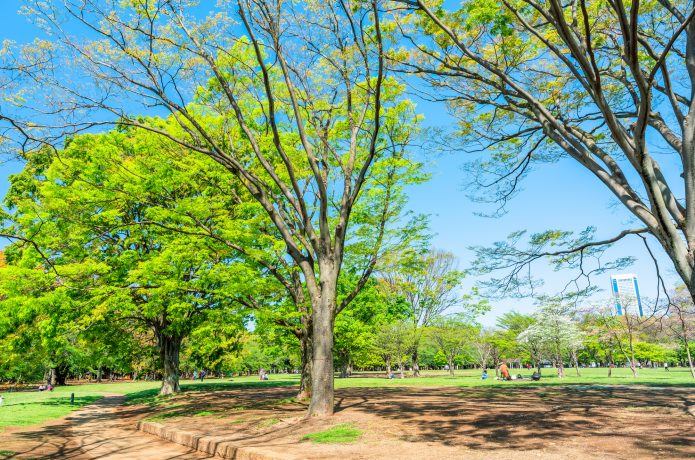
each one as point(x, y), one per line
point(335, 435)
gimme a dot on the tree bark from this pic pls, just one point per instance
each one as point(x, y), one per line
point(305, 351)
point(451, 366)
point(169, 348)
point(690, 359)
point(416, 363)
point(322, 367)
point(560, 367)
point(388, 366)
point(575, 363)
point(633, 364)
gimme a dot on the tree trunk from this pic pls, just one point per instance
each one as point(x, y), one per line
point(305, 351)
point(633, 364)
point(344, 369)
point(388, 367)
point(575, 363)
point(322, 369)
point(560, 368)
point(690, 359)
point(52, 376)
point(400, 368)
point(416, 363)
point(169, 348)
point(451, 366)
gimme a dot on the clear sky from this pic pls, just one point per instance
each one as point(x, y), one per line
point(561, 195)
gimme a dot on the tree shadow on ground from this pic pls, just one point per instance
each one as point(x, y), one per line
point(151, 396)
point(531, 418)
point(58, 440)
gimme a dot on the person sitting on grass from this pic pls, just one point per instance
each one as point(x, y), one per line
point(504, 371)
point(484, 376)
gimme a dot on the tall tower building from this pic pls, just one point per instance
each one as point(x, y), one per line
point(626, 293)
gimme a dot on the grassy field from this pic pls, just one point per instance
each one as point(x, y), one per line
point(30, 408)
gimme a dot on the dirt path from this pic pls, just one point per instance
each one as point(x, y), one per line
point(104, 430)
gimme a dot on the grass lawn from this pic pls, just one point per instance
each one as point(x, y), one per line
point(338, 434)
point(34, 407)
point(30, 408)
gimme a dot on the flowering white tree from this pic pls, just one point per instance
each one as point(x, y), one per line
point(555, 335)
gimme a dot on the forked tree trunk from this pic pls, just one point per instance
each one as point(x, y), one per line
point(169, 348)
point(451, 366)
point(305, 351)
point(322, 367)
point(416, 362)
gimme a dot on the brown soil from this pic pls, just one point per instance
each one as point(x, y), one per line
point(572, 422)
point(551, 422)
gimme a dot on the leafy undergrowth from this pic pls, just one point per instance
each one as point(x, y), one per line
point(338, 434)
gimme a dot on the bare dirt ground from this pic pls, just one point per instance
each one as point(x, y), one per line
point(104, 430)
point(572, 422)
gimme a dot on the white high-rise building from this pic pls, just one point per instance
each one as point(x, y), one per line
point(626, 293)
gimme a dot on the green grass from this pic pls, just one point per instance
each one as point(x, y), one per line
point(335, 435)
point(25, 409)
point(31, 408)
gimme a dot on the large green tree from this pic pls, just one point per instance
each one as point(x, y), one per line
point(294, 100)
point(102, 212)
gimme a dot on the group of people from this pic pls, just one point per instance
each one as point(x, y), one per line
point(262, 374)
point(505, 374)
point(47, 387)
point(200, 376)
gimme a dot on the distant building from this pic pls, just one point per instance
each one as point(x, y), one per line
point(625, 292)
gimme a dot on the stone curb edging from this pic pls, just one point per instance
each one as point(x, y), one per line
point(212, 445)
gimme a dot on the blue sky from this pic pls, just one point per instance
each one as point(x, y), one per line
point(561, 195)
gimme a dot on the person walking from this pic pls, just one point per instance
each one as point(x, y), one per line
point(195, 375)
